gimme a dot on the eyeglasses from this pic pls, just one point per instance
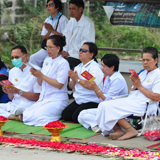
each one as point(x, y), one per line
point(83, 50)
point(50, 5)
point(48, 48)
point(16, 57)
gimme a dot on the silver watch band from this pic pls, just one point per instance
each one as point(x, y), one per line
point(20, 92)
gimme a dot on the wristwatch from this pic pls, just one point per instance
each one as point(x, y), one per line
point(78, 80)
point(20, 92)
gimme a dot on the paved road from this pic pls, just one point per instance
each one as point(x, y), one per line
point(10, 153)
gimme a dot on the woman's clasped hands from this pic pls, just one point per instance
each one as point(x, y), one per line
point(135, 81)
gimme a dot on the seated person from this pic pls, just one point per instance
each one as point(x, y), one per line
point(83, 98)
point(111, 114)
point(79, 29)
point(26, 89)
point(114, 85)
point(53, 79)
point(55, 24)
point(3, 76)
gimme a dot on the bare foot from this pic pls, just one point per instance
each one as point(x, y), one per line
point(13, 117)
point(20, 117)
point(131, 132)
point(116, 134)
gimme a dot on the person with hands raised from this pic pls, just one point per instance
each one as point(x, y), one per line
point(55, 24)
point(84, 98)
point(25, 90)
point(111, 114)
point(53, 78)
point(110, 88)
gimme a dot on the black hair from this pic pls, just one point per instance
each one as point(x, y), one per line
point(23, 49)
point(2, 64)
point(92, 49)
point(58, 4)
point(111, 60)
point(58, 40)
point(152, 51)
point(78, 3)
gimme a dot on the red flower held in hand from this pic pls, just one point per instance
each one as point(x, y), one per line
point(3, 118)
point(55, 124)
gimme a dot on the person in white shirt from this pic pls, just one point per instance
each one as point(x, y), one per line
point(111, 114)
point(83, 98)
point(25, 91)
point(53, 25)
point(53, 78)
point(113, 84)
point(80, 29)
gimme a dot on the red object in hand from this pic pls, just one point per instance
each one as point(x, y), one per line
point(134, 73)
point(152, 135)
point(3, 118)
point(55, 124)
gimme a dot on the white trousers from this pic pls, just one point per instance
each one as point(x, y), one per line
point(43, 112)
point(87, 118)
point(6, 109)
point(38, 57)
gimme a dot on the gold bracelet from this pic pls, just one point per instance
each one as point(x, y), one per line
point(98, 91)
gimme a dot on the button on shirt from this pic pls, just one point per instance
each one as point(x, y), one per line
point(56, 69)
point(24, 81)
point(114, 85)
point(81, 94)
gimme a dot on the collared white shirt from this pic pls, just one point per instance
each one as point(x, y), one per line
point(81, 94)
point(56, 69)
point(114, 85)
point(24, 81)
point(61, 26)
point(77, 33)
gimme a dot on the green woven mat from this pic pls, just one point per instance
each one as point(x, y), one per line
point(73, 131)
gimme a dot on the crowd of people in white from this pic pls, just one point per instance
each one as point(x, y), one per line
point(40, 93)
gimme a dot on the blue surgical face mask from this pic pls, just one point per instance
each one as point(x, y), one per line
point(17, 62)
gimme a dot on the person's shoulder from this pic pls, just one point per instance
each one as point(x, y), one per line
point(47, 19)
point(63, 17)
point(94, 64)
point(71, 20)
point(87, 19)
point(14, 69)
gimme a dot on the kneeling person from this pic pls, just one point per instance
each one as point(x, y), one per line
point(25, 90)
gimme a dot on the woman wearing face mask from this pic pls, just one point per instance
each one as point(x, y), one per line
point(53, 78)
point(25, 90)
point(3, 76)
point(83, 97)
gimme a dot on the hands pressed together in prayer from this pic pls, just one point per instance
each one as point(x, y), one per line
point(89, 85)
point(48, 27)
point(73, 75)
point(135, 81)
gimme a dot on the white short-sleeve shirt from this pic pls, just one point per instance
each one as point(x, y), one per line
point(56, 69)
point(81, 94)
point(24, 81)
point(114, 85)
point(61, 26)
